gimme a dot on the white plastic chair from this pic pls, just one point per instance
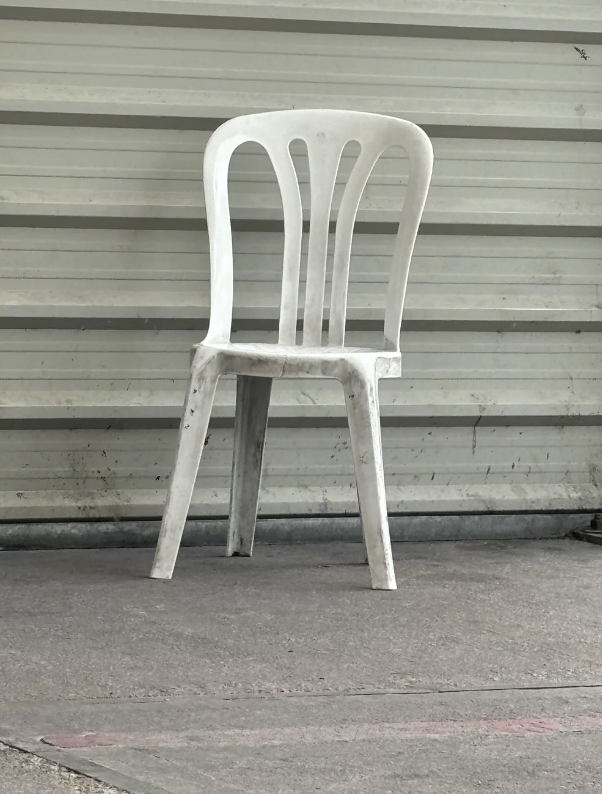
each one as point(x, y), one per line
point(326, 133)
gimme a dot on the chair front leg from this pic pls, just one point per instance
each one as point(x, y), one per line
point(193, 431)
point(361, 396)
point(252, 404)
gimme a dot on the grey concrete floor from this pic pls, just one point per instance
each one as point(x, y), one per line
point(24, 773)
point(285, 673)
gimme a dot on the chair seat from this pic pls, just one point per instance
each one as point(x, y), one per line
point(296, 361)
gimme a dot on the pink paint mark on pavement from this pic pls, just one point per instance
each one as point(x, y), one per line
point(530, 726)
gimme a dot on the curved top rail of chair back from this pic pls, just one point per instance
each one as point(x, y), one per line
point(325, 133)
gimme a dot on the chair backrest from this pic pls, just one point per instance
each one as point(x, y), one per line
point(326, 133)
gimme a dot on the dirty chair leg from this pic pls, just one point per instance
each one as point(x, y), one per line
point(361, 395)
point(252, 404)
point(193, 430)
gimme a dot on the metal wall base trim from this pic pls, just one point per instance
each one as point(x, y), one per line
point(212, 532)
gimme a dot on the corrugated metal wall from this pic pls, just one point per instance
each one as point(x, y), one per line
point(106, 106)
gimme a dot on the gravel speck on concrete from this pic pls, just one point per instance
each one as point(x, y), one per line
point(24, 773)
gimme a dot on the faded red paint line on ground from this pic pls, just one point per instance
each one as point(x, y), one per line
point(530, 726)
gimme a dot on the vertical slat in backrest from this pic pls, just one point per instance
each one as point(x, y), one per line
point(325, 132)
point(352, 195)
point(292, 207)
point(324, 152)
point(420, 153)
point(215, 184)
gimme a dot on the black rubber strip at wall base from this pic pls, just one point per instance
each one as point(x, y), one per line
point(212, 532)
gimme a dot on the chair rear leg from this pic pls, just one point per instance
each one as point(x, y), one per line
point(252, 404)
point(364, 547)
point(361, 395)
point(193, 430)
